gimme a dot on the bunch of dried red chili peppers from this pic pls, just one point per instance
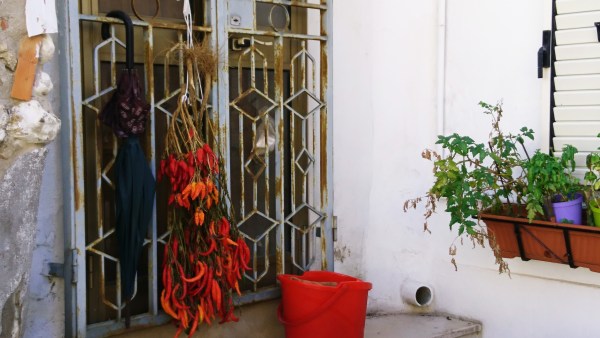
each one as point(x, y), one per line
point(205, 257)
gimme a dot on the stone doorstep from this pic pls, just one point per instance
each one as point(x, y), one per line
point(260, 321)
point(420, 326)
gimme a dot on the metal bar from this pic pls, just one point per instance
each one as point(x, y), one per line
point(152, 254)
point(256, 175)
point(294, 4)
point(266, 123)
point(254, 297)
point(112, 327)
point(303, 174)
point(89, 100)
point(182, 72)
point(254, 26)
point(276, 34)
point(279, 157)
point(326, 142)
point(220, 20)
point(165, 25)
point(543, 245)
point(517, 228)
point(242, 171)
point(72, 145)
point(568, 247)
point(252, 62)
point(314, 194)
point(303, 65)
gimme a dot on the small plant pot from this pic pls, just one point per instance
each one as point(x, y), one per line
point(569, 211)
point(595, 212)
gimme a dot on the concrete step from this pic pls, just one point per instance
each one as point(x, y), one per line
point(420, 326)
point(260, 321)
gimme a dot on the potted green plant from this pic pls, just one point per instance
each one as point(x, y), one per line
point(475, 177)
point(498, 183)
point(592, 179)
point(550, 181)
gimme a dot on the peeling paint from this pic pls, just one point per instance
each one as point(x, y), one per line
point(4, 23)
point(340, 254)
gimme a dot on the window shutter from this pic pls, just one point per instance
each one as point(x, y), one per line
point(577, 78)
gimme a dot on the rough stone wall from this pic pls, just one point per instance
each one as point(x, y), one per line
point(25, 129)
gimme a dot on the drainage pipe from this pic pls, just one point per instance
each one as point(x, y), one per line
point(416, 293)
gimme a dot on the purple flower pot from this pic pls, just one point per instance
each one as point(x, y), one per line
point(569, 211)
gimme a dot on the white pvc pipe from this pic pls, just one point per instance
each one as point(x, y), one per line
point(441, 70)
point(416, 293)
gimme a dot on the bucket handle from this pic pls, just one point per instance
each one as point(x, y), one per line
point(313, 315)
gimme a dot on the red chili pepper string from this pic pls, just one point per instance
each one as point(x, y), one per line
point(205, 256)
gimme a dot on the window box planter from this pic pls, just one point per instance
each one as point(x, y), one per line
point(575, 245)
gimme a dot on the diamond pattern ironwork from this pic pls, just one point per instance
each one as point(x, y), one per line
point(304, 161)
point(255, 166)
point(313, 214)
point(257, 225)
point(254, 104)
point(313, 104)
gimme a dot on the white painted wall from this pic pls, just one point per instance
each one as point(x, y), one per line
point(385, 93)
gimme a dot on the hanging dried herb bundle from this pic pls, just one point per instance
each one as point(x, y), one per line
point(205, 257)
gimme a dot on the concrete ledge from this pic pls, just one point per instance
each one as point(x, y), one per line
point(420, 326)
point(260, 321)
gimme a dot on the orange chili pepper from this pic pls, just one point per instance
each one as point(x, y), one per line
point(195, 278)
point(236, 286)
point(183, 318)
point(194, 325)
point(166, 306)
point(230, 241)
point(200, 313)
point(219, 270)
point(198, 217)
point(216, 294)
point(179, 331)
point(204, 306)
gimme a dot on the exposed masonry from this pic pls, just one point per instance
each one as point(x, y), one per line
point(25, 130)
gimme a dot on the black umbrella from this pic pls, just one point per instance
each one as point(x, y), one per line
point(126, 113)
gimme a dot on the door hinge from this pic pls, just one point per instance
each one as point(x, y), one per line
point(544, 53)
point(74, 266)
point(334, 228)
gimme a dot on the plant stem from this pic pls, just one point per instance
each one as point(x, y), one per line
point(500, 177)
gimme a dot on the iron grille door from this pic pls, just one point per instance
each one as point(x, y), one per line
point(270, 112)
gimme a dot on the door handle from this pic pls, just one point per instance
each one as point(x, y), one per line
point(543, 56)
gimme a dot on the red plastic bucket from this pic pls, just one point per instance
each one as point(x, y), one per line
point(321, 311)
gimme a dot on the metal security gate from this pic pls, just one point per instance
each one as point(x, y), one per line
point(270, 114)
